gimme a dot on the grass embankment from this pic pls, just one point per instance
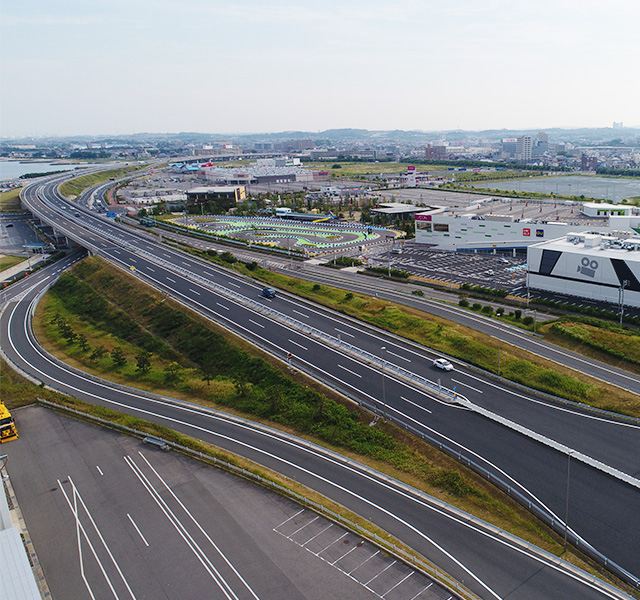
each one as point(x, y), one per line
point(10, 201)
point(458, 341)
point(198, 362)
point(7, 262)
point(356, 169)
point(74, 187)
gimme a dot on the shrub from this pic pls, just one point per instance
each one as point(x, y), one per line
point(528, 320)
point(476, 306)
point(487, 310)
point(464, 303)
point(417, 292)
point(499, 311)
point(518, 314)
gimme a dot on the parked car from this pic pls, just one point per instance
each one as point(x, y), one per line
point(443, 363)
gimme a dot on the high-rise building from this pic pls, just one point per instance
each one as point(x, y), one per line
point(435, 152)
point(524, 145)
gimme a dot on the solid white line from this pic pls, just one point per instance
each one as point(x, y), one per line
point(80, 528)
point(258, 324)
point(467, 385)
point(355, 547)
point(332, 543)
point(99, 470)
point(350, 371)
point(138, 530)
point(104, 543)
point(299, 345)
point(197, 524)
point(197, 551)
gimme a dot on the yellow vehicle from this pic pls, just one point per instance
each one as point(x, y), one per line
point(8, 429)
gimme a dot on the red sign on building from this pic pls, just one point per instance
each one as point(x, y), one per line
point(526, 232)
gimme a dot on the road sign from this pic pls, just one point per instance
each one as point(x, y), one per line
point(111, 215)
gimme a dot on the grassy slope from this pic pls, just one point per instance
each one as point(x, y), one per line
point(75, 187)
point(10, 201)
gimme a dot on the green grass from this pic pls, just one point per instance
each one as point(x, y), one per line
point(7, 262)
point(10, 201)
point(75, 187)
point(354, 169)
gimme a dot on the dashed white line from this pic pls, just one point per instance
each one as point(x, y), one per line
point(296, 344)
point(194, 291)
point(138, 530)
point(171, 280)
point(345, 333)
point(467, 385)
point(258, 324)
point(350, 371)
point(99, 470)
point(301, 314)
point(222, 306)
point(398, 356)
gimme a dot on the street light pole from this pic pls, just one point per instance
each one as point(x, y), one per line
point(566, 511)
point(384, 397)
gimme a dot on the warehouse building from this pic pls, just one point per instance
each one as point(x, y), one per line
point(588, 265)
point(215, 200)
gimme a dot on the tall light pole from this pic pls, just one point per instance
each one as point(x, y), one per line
point(384, 397)
point(566, 511)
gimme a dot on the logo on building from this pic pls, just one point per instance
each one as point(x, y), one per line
point(588, 267)
point(526, 232)
point(539, 232)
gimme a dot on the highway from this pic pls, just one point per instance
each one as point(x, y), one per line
point(542, 477)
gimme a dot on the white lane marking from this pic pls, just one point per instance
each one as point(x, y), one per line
point(171, 280)
point(194, 291)
point(197, 524)
point(299, 345)
point(181, 529)
point(350, 371)
point(150, 269)
point(99, 470)
point(222, 306)
point(255, 323)
point(467, 385)
point(138, 530)
point(233, 284)
point(398, 356)
point(301, 314)
point(415, 404)
point(344, 332)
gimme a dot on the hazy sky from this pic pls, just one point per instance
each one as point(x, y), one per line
point(124, 66)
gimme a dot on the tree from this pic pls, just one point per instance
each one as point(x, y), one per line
point(172, 373)
point(118, 357)
point(82, 342)
point(143, 362)
point(98, 353)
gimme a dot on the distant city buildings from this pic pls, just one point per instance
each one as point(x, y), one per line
point(435, 152)
point(524, 147)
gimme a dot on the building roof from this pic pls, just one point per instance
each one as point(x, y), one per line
point(219, 189)
point(396, 208)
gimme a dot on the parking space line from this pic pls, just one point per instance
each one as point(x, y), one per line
point(366, 561)
point(301, 528)
point(345, 554)
point(99, 470)
point(332, 543)
point(381, 572)
point(422, 590)
point(289, 519)
point(397, 584)
point(317, 534)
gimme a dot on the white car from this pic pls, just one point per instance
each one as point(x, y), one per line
point(443, 363)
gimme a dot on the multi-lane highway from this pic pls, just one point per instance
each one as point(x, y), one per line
point(602, 507)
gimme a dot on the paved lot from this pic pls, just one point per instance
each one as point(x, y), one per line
point(113, 515)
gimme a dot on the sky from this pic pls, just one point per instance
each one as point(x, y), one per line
point(82, 67)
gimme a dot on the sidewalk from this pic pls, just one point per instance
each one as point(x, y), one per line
point(29, 263)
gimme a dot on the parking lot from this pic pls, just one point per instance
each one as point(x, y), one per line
point(107, 512)
point(488, 270)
